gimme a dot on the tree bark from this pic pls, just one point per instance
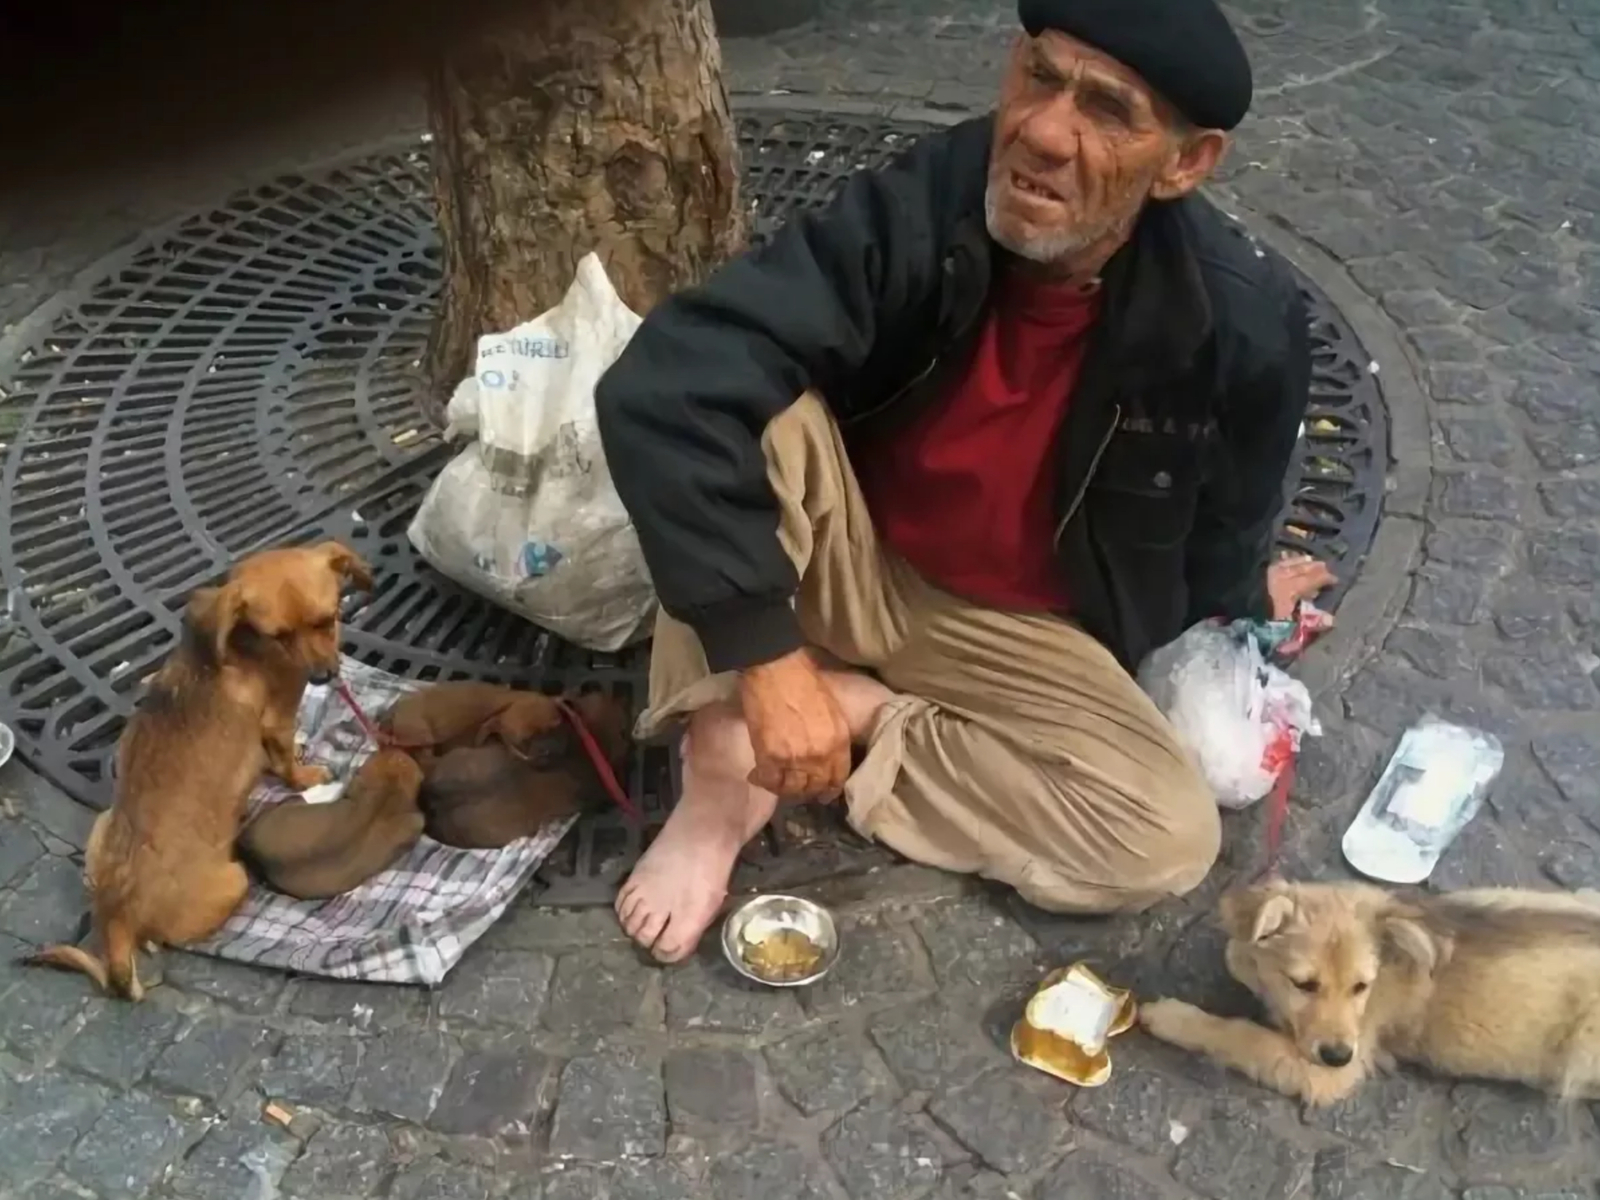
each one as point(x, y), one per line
point(577, 125)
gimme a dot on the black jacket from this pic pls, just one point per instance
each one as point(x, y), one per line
point(1173, 452)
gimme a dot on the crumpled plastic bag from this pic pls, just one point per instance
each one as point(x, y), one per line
point(526, 515)
point(1240, 716)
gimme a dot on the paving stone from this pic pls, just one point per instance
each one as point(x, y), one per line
point(120, 1042)
point(339, 1161)
point(210, 1056)
point(1498, 1125)
point(1522, 613)
point(1572, 760)
point(829, 1071)
point(881, 1154)
point(1564, 556)
point(610, 1105)
point(317, 1070)
point(19, 850)
point(876, 963)
point(1338, 1175)
point(1480, 440)
point(246, 988)
point(714, 1088)
point(1517, 1193)
point(930, 1046)
point(403, 1073)
point(1003, 1122)
point(1568, 449)
point(977, 945)
point(1572, 499)
point(708, 996)
point(1479, 548)
point(495, 1088)
point(1232, 1157)
point(1432, 653)
point(562, 1181)
point(1542, 682)
point(233, 1156)
point(48, 905)
point(129, 1148)
point(596, 992)
point(1416, 309)
point(1476, 494)
point(1555, 400)
point(1136, 1107)
point(768, 1171)
point(507, 988)
point(36, 1014)
point(1483, 856)
point(1446, 597)
point(656, 1179)
point(365, 1006)
point(1083, 1177)
point(1457, 383)
point(436, 1180)
point(1378, 1114)
point(42, 1119)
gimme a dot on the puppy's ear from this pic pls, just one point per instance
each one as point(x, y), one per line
point(214, 613)
point(1255, 914)
point(347, 564)
point(1407, 940)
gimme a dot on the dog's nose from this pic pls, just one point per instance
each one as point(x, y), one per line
point(1335, 1054)
point(321, 676)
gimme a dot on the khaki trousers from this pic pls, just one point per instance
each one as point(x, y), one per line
point(1018, 748)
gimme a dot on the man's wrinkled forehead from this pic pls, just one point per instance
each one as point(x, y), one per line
point(1077, 62)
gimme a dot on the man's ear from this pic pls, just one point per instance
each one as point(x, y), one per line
point(347, 564)
point(1193, 160)
point(214, 613)
point(1255, 914)
point(1407, 939)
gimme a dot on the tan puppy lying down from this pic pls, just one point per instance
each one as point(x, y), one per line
point(1488, 984)
point(316, 851)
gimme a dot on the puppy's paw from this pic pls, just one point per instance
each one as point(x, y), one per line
point(303, 777)
point(1174, 1021)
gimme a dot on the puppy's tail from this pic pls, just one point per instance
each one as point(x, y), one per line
point(117, 974)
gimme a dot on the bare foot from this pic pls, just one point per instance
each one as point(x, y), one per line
point(675, 892)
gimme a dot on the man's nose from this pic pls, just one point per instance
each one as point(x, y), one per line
point(1051, 134)
point(1335, 1054)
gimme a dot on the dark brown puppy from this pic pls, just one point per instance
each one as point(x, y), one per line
point(485, 797)
point(315, 851)
point(160, 862)
point(446, 716)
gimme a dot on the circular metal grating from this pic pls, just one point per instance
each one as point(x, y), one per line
point(246, 376)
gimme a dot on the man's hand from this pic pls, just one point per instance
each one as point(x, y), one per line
point(801, 741)
point(1293, 579)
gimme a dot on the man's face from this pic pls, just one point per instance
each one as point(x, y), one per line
point(1081, 143)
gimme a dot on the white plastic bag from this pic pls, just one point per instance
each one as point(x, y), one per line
point(527, 514)
point(1239, 716)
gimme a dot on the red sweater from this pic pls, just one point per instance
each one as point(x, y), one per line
point(966, 493)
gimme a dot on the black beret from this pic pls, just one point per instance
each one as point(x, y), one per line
point(1185, 49)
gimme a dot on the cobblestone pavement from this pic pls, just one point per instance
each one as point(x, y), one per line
point(1446, 154)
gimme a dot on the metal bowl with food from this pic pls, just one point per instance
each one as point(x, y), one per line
point(781, 941)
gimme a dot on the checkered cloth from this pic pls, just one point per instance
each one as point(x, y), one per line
point(409, 924)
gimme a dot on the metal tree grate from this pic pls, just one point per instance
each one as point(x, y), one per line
point(247, 376)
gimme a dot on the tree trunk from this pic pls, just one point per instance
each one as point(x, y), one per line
point(577, 125)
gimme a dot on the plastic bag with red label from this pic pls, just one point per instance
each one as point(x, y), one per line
point(1240, 716)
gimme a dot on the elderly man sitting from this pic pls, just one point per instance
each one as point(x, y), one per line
point(922, 480)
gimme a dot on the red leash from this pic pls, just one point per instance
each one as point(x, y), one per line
point(1277, 817)
point(591, 748)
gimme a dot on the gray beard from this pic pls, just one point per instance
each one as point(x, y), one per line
point(1045, 250)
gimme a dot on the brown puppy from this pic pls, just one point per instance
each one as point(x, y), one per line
point(446, 716)
point(160, 864)
point(485, 797)
point(315, 851)
point(1496, 983)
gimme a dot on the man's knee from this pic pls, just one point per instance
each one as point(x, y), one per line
point(1167, 853)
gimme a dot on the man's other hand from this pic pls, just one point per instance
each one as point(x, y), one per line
point(801, 741)
point(1293, 579)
